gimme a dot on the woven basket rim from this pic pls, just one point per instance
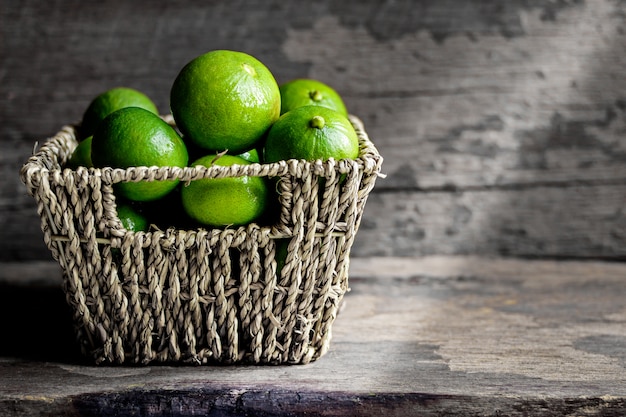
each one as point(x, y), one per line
point(47, 165)
point(55, 151)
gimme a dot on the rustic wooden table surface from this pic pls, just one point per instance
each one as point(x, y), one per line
point(440, 335)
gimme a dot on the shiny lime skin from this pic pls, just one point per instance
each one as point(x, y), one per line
point(309, 92)
point(225, 100)
point(228, 201)
point(134, 137)
point(108, 102)
point(311, 133)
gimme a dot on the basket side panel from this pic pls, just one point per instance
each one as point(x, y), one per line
point(200, 295)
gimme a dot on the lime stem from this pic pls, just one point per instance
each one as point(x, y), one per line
point(315, 95)
point(317, 122)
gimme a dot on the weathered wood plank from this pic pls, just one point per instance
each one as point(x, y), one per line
point(458, 96)
point(261, 403)
point(543, 107)
point(431, 335)
point(576, 221)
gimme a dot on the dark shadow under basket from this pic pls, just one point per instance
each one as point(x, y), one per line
point(202, 296)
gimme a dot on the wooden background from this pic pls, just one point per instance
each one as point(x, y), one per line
point(502, 123)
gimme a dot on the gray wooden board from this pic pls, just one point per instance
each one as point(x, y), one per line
point(459, 96)
point(576, 221)
point(431, 335)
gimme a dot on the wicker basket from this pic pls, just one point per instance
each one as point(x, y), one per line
point(202, 296)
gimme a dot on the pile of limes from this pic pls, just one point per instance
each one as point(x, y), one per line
point(228, 110)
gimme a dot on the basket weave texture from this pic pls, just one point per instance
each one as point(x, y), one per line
point(202, 296)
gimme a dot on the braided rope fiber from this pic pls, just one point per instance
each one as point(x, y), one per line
point(202, 296)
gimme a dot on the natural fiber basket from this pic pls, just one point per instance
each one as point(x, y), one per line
point(202, 296)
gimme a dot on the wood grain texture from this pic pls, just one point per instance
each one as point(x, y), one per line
point(462, 97)
point(439, 335)
point(544, 221)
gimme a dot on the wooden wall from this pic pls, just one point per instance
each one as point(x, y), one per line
point(502, 123)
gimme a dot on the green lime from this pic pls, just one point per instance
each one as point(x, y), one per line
point(131, 218)
point(252, 155)
point(307, 92)
point(132, 137)
point(81, 157)
point(311, 133)
point(225, 100)
point(225, 201)
point(109, 101)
